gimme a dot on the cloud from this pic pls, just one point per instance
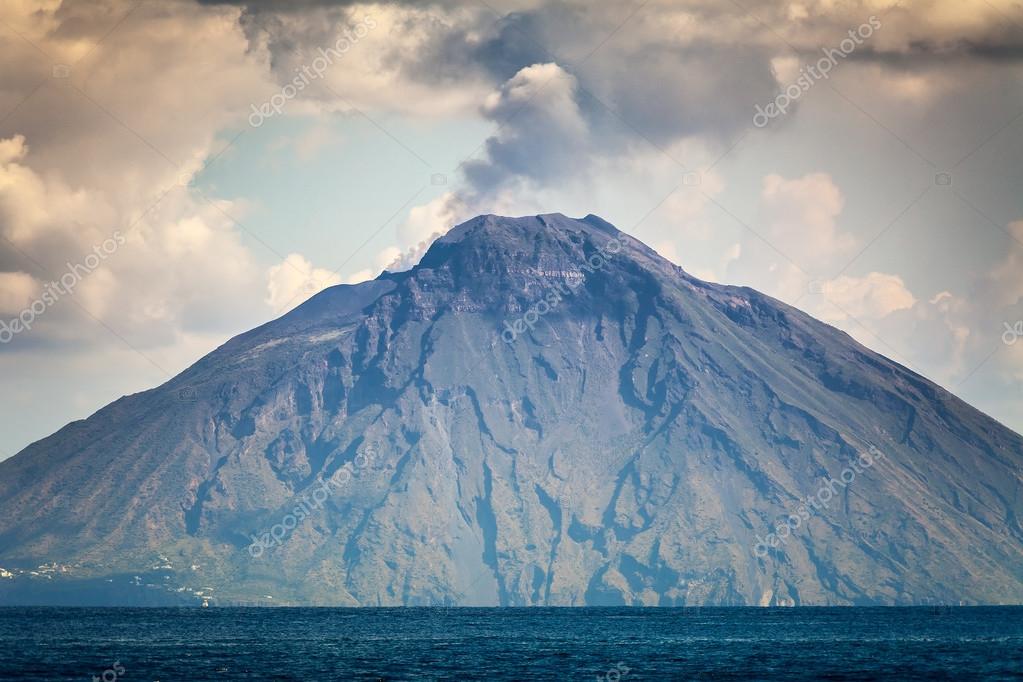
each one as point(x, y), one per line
point(441, 58)
point(411, 257)
point(424, 225)
point(101, 152)
point(439, 215)
point(1005, 283)
point(947, 336)
point(17, 291)
point(871, 297)
point(668, 92)
point(797, 241)
point(800, 219)
point(685, 210)
point(583, 99)
point(12, 150)
point(375, 73)
point(541, 131)
point(36, 209)
point(717, 57)
point(294, 280)
point(383, 259)
point(571, 84)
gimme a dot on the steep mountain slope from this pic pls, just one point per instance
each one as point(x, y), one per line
point(543, 411)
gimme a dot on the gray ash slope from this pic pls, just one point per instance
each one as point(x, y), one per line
point(628, 450)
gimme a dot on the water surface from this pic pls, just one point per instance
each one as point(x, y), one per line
point(169, 644)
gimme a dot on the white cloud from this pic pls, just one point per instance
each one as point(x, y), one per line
point(871, 297)
point(359, 277)
point(295, 280)
point(417, 233)
point(391, 259)
point(797, 239)
point(800, 217)
point(785, 68)
point(439, 215)
point(34, 208)
point(411, 257)
point(686, 208)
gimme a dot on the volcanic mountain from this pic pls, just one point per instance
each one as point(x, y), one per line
point(542, 412)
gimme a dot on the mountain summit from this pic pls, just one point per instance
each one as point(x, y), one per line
point(542, 412)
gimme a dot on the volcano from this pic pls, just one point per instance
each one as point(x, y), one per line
point(542, 412)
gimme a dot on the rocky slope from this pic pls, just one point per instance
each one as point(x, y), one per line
point(543, 411)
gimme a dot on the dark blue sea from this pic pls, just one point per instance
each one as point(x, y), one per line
point(618, 645)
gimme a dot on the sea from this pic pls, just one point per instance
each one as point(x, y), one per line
point(609, 644)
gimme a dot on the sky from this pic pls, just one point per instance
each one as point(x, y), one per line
point(175, 173)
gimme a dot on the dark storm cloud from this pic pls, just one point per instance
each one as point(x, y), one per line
point(1001, 48)
point(668, 93)
point(303, 5)
point(509, 44)
point(667, 72)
